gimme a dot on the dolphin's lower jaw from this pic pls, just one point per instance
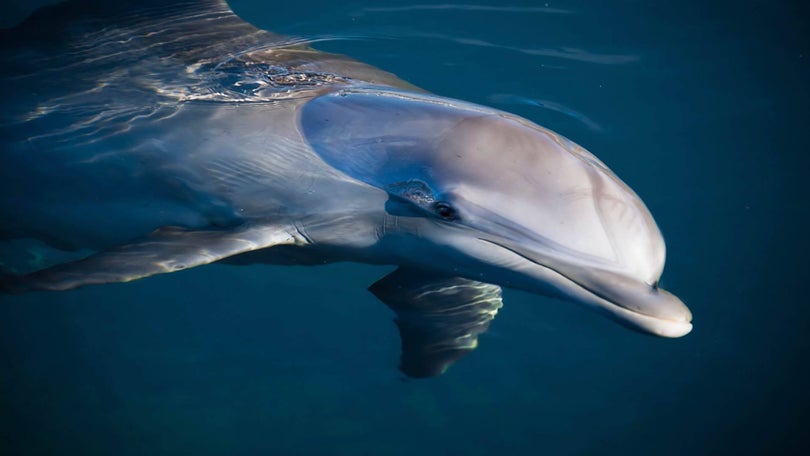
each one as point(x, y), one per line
point(671, 326)
point(637, 321)
point(629, 302)
point(664, 324)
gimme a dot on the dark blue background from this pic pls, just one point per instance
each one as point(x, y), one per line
point(702, 109)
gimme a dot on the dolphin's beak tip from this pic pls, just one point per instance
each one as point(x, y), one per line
point(674, 329)
point(684, 329)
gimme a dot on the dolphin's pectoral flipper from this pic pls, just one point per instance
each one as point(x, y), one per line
point(167, 249)
point(439, 317)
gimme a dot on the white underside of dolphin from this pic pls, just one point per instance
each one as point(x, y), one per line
point(165, 136)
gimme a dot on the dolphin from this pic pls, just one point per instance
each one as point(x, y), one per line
point(146, 137)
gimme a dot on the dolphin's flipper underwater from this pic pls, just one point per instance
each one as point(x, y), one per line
point(439, 317)
point(168, 249)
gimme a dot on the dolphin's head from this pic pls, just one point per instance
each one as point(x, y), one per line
point(493, 197)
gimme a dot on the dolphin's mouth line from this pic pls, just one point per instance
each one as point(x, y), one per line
point(581, 285)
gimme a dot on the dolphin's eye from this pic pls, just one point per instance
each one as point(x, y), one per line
point(445, 210)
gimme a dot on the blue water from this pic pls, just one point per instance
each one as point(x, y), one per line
point(702, 109)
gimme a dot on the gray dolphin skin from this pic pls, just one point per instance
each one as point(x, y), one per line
point(139, 138)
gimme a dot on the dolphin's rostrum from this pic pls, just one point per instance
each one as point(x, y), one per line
point(167, 135)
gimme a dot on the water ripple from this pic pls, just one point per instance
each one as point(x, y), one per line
point(508, 98)
point(568, 53)
point(467, 7)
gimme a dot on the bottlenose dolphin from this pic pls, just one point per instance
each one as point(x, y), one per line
point(152, 136)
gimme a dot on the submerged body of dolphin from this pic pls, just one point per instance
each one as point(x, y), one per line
point(157, 138)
